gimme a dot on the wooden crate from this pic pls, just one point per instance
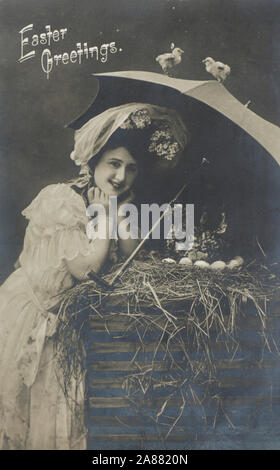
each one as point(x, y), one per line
point(241, 410)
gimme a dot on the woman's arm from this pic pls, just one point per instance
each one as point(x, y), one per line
point(80, 266)
point(127, 246)
point(99, 245)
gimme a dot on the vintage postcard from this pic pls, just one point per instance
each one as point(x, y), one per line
point(140, 223)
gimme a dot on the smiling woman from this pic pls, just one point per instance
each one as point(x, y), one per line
point(37, 410)
point(115, 171)
point(118, 169)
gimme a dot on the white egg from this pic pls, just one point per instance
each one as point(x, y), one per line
point(219, 265)
point(168, 260)
point(202, 264)
point(186, 261)
point(233, 264)
point(239, 260)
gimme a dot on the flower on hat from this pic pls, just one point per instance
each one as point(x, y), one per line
point(163, 143)
point(137, 120)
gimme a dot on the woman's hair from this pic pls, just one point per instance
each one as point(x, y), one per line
point(136, 141)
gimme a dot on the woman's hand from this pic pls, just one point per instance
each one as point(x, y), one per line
point(99, 247)
point(96, 196)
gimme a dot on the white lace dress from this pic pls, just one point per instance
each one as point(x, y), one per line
point(34, 413)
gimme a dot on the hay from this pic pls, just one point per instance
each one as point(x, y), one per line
point(189, 308)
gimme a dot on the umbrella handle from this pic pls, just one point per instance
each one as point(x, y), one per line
point(99, 280)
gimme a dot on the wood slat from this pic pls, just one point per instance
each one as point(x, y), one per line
point(112, 402)
point(223, 382)
point(132, 347)
point(197, 436)
point(122, 402)
point(242, 383)
point(127, 347)
point(116, 383)
point(138, 437)
point(161, 365)
point(121, 421)
point(127, 366)
point(250, 401)
point(121, 322)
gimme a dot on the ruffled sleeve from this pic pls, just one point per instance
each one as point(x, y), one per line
point(57, 227)
point(56, 205)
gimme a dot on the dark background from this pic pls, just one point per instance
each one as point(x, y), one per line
point(35, 145)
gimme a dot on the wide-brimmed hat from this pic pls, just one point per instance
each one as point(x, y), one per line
point(169, 134)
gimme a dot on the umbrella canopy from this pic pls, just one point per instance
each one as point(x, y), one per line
point(210, 92)
point(244, 150)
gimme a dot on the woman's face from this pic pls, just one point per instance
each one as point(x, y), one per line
point(116, 171)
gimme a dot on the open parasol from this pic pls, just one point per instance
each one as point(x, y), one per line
point(243, 147)
point(116, 88)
